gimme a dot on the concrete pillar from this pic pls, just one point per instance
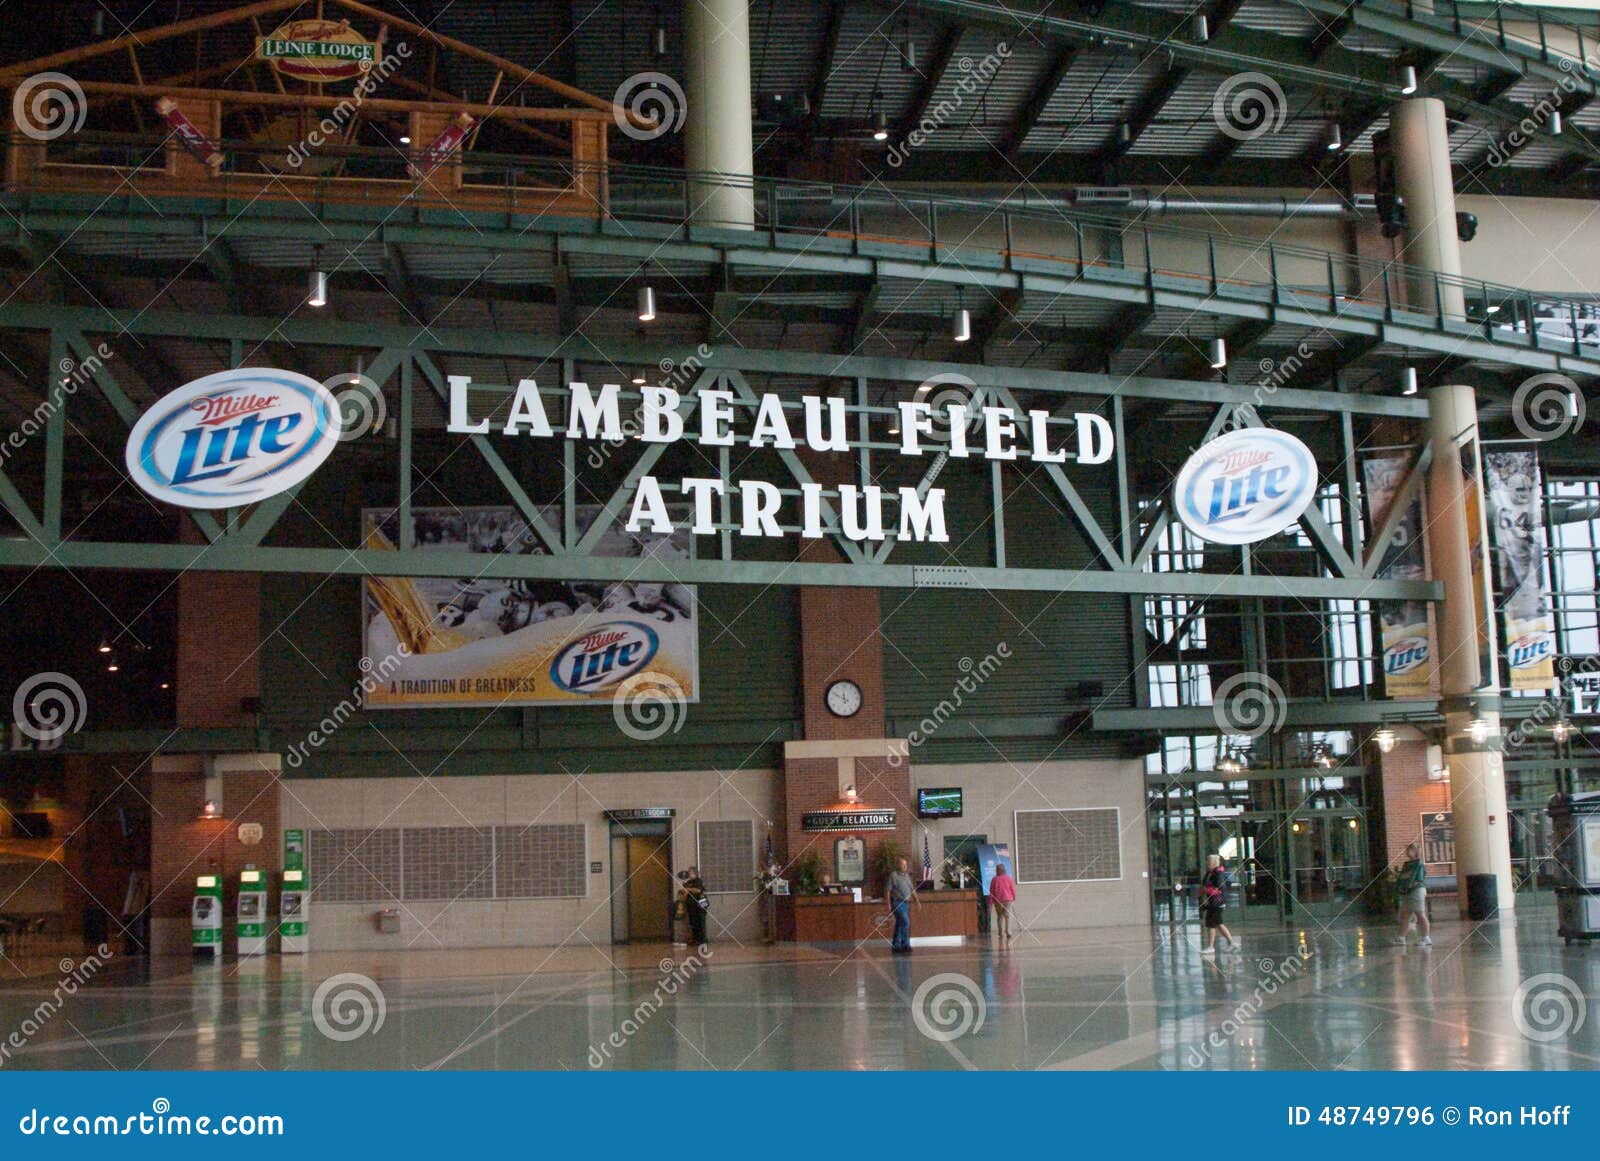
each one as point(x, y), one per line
point(1421, 143)
point(718, 135)
point(1477, 775)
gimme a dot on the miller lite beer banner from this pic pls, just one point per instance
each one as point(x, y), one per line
point(483, 642)
point(204, 149)
point(233, 438)
point(1517, 548)
point(1407, 630)
point(1478, 549)
point(1245, 486)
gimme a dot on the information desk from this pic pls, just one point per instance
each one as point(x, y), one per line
point(840, 919)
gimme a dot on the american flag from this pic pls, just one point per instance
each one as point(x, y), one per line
point(927, 859)
point(771, 855)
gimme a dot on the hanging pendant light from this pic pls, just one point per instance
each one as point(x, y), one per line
point(647, 304)
point(962, 330)
point(1217, 354)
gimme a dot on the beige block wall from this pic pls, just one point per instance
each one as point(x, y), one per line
point(993, 792)
point(1549, 244)
point(521, 800)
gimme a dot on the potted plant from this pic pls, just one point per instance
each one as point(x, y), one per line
point(888, 860)
point(807, 870)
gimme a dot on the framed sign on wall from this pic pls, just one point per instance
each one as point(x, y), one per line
point(850, 860)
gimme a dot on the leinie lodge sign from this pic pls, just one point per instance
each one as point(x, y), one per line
point(818, 422)
point(317, 51)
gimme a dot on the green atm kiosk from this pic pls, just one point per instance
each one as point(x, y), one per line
point(252, 912)
point(294, 900)
point(205, 917)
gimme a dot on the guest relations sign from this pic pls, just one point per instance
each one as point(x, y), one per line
point(847, 820)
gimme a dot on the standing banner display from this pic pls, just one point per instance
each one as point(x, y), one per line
point(1408, 638)
point(1478, 547)
point(483, 642)
point(1517, 547)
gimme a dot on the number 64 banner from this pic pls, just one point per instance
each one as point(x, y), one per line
point(1517, 548)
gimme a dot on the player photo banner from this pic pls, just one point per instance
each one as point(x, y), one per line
point(1408, 647)
point(486, 642)
point(1517, 549)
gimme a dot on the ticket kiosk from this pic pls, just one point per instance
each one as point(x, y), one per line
point(205, 917)
point(294, 906)
point(251, 912)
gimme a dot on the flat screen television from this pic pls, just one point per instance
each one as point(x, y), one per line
point(939, 802)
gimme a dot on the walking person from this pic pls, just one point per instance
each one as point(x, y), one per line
point(900, 892)
point(1412, 880)
point(1213, 893)
point(1002, 893)
point(696, 903)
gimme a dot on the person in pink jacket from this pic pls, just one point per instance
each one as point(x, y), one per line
point(1003, 893)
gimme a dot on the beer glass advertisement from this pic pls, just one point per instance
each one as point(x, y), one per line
point(1407, 632)
point(1517, 549)
point(465, 641)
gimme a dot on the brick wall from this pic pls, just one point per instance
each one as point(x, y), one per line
point(1407, 794)
point(183, 845)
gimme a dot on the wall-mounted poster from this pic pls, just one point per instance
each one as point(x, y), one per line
point(487, 642)
point(850, 860)
point(1439, 842)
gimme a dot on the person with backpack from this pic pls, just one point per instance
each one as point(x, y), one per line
point(1411, 879)
point(1213, 889)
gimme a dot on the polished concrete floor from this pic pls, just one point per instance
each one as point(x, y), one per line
point(1501, 996)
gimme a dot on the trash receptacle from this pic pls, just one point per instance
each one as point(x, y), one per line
point(1483, 898)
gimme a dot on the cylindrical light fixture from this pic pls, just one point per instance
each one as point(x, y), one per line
point(1335, 137)
point(1555, 121)
point(1408, 381)
point(880, 127)
point(962, 331)
point(317, 288)
point(660, 40)
point(1202, 29)
point(647, 304)
point(639, 379)
point(1124, 134)
point(1217, 354)
point(1408, 80)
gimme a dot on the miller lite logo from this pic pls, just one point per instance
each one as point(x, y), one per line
point(233, 438)
point(1245, 486)
point(1405, 655)
point(603, 656)
point(1530, 649)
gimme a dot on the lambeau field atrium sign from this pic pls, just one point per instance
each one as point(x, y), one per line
point(821, 424)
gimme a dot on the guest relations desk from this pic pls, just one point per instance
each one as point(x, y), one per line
point(840, 919)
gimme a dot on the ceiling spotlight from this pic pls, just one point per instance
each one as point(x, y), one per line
point(166, 685)
point(963, 326)
point(1385, 738)
point(1217, 354)
point(647, 304)
point(1408, 80)
point(1562, 730)
point(1478, 727)
point(880, 128)
point(1408, 381)
point(317, 285)
point(1335, 137)
point(105, 646)
point(112, 666)
point(1202, 29)
point(1555, 122)
point(405, 139)
point(1124, 133)
point(639, 379)
point(659, 40)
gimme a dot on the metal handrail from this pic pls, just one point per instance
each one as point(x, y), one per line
point(944, 228)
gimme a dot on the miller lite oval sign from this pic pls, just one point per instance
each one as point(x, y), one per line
point(1245, 486)
point(233, 438)
point(603, 656)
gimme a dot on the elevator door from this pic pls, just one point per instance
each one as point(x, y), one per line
point(641, 882)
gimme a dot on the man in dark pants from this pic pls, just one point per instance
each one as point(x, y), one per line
point(695, 904)
point(901, 891)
